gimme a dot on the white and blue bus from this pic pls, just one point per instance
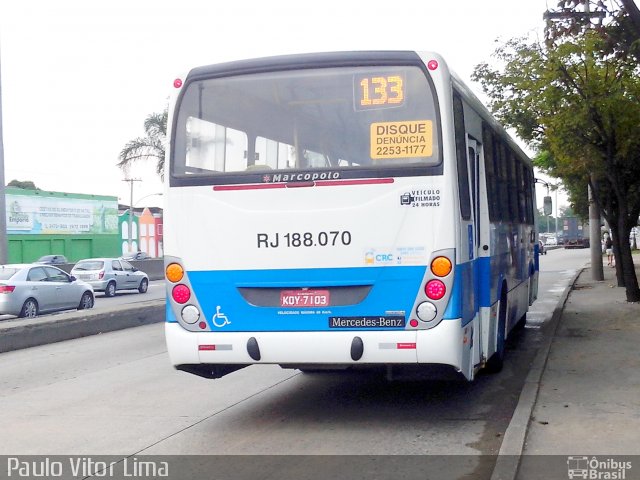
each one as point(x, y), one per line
point(333, 210)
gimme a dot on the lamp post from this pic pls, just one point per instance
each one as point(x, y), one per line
point(4, 250)
point(547, 210)
point(130, 219)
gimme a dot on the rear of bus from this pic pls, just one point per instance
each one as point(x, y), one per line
point(311, 214)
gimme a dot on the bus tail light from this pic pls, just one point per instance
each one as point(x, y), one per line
point(181, 293)
point(441, 266)
point(435, 289)
point(174, 272)
point(190, 314)
point(426, 311)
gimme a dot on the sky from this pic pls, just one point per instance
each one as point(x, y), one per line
point(80, 76)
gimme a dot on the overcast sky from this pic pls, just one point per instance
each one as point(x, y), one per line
point(80, 76)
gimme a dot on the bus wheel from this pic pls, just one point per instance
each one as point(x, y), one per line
point(496, 362)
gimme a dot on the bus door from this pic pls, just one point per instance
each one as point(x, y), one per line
point(473, 159)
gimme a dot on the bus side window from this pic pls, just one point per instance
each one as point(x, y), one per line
point(461, 156)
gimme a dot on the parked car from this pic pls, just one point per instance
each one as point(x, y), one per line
point(541, 249)
point(109, 275)
point(137, 256)
point(551, 241)
point(52, 260)
point(27, 290)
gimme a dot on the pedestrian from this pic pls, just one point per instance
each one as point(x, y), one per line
point(608, 244)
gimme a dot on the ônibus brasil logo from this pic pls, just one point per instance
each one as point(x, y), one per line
point(597, 468)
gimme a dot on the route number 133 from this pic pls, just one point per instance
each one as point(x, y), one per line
point(381, 91)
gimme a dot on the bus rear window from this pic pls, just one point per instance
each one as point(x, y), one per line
point(300, 120)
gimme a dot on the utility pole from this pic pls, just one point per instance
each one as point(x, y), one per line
point(130, 219)
point(3, 200)
point(597, 271)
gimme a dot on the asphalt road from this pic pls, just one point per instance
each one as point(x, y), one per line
point(116, 394)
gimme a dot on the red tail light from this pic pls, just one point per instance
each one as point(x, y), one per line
point(101, 275)
point(181, 293)
point(7, 288)
point(435, 289)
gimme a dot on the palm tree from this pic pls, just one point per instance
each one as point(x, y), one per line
point(149, 146)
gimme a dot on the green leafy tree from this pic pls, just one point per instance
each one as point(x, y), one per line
point(616, 22)
point(151, 146)
point(27, 184)
point(581, 105)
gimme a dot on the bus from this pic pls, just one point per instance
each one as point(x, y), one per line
point(342, 210)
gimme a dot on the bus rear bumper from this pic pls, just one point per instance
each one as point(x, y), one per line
point(443, 344)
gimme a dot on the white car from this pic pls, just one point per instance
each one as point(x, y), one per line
point(551, 241)
point(109, 275)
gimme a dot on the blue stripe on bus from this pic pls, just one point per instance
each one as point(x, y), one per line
point(472, 289)
point(463, 302)
point(394, 289)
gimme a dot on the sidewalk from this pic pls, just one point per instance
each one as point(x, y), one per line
point(588, 403)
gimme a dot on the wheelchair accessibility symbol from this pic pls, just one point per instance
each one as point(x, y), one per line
point(220, 319)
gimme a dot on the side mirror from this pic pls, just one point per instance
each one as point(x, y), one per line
point(72, 278)
point(547, 205)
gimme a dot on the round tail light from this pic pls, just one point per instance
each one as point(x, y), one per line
point(441, 266)
point(435, 289)
point(174, 272)
point(181, 293)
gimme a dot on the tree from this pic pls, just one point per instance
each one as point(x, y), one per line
point(151, 146)
point(581, 105)
point(618, 25)
point(27, 184)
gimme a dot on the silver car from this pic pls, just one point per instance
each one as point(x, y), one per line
point(29, 289)
point(109, 275)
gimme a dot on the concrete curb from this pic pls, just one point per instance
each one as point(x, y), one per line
point(508, 460)
point(23, 333)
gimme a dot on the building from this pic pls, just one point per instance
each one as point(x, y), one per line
point(70, 224)
point(146, 230)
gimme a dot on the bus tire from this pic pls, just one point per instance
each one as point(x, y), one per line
point(496, 362)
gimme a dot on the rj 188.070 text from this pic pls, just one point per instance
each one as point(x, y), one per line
point(307, 239)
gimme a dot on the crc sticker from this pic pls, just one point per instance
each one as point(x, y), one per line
point(401, 139)
point(395, 256)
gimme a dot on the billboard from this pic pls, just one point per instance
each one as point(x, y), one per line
point(35, 214)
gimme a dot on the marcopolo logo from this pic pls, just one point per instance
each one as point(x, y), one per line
point(300, 177)
point(597, 468)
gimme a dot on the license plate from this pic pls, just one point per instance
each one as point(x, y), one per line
point(304, 298)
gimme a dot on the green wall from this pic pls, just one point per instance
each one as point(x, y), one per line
point(28, 248)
